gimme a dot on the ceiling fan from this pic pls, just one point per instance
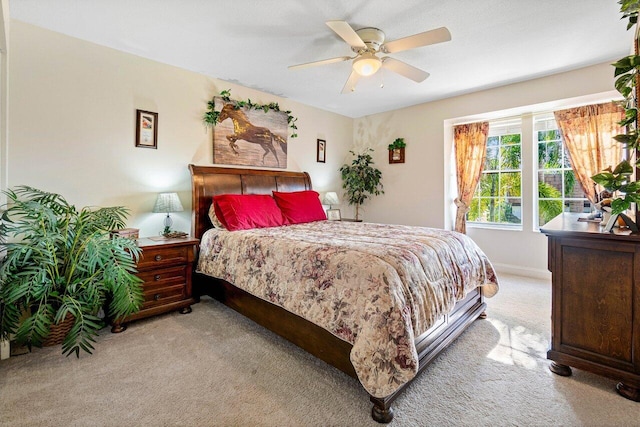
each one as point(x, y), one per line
point(368, 42)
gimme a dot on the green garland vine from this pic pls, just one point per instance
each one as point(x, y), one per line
point(210, 117)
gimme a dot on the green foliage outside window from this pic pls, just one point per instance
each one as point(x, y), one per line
point(557, 190)
point(498, 198)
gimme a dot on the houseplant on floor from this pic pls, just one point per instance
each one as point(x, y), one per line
point(361, 180)
point(61, 267)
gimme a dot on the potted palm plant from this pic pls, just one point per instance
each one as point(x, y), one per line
point(60, 268)
point(361, 180)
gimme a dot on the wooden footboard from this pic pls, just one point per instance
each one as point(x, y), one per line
point(327, 347)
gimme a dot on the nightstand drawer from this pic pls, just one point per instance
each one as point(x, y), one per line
point(161, 296)
point(164, 277)
point(157, 256)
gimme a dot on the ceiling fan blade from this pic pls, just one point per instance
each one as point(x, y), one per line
point(404, 69)
point(347, 33)
point(351, 83)
point(321, 62)
point(438, 35)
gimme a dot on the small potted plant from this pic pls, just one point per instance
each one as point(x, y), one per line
point(396, 151)
point(61, 266)
point(361, 180)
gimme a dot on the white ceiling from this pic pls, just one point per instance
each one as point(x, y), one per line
point(251, 42)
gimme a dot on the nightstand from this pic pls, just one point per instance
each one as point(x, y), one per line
point(350, 220)
point(165, 266)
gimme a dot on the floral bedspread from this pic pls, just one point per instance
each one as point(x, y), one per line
point(376, 286)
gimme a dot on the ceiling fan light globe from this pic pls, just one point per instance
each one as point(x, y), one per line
point(366, 64)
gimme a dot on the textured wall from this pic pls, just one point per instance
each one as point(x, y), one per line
point(72, 126)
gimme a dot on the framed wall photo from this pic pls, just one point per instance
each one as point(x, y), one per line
point(322, 151)
point(146, 129)
point(333, 215)
point(396, 155)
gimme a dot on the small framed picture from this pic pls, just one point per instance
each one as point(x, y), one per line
point(396, 155)
point(146, 129)
point(322, 151)
point(333, 215)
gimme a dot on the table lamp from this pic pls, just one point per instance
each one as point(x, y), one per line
point(167, 202)
point(330, 198)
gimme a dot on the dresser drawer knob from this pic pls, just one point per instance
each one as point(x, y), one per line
point(157, 277)
point(156, 297)
point(158, 257)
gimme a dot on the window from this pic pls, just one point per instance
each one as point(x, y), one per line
point(558, 189)
point(498, 198)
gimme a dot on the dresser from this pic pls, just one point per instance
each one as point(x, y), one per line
point(165, 267)
point(595, 303)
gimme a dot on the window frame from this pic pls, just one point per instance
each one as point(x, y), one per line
point(501, 128)
point(565, 162)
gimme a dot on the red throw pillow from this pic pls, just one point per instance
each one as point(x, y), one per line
point(245, 211)
point(300, 206)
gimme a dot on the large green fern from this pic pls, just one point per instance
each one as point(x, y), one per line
point(63, 260)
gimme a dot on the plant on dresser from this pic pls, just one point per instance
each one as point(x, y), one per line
point(620, 179)
point(61, 267)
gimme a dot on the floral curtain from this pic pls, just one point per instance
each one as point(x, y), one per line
point(588, 133)
point(470, 143)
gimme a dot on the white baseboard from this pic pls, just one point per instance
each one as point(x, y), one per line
point(5, 349)
point(522, 271)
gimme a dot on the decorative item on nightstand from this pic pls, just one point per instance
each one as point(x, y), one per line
point(129, 233)
point(333, 215)
point(167, 203)
point(331, 198)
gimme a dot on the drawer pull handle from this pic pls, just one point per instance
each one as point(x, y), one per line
point(158, 257)
point(156, 277)
point(156, 297)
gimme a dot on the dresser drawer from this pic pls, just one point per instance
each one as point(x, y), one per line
point(161, 296)
point(154, 257)
point(163, 277)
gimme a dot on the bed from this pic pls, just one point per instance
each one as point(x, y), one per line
point(321, 327)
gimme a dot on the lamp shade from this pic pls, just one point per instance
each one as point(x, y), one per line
point(168, 202)
point(331, 198)
point(366, 64)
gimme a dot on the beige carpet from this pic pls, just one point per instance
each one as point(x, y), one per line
point(213, 367)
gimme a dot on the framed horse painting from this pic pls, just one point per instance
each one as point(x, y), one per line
point(249, 137)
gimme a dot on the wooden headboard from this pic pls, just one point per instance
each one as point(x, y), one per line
point(208, 181)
